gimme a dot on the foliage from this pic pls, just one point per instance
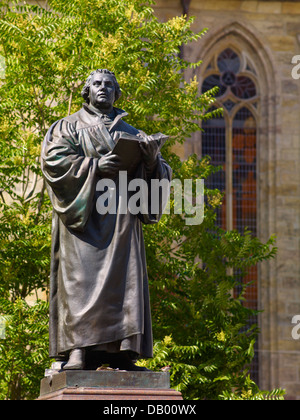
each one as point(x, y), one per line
point(197, 372)
point(49, 53)
point(197, 298)
point(23, 348)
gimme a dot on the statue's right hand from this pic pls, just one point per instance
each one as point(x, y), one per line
point(109, 165)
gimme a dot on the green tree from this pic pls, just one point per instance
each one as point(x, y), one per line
point(49, 52)
point(200, 321)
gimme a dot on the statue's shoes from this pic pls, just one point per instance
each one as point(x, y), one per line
point(76, 360)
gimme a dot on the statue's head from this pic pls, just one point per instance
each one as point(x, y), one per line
point(98, 75)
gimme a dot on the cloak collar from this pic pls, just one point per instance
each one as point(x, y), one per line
point(119, 114)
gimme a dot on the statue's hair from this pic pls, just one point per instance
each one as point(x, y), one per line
point(86, 88)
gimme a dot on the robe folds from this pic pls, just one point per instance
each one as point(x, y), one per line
point(99, 295)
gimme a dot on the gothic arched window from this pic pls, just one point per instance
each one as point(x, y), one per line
point(230, 141)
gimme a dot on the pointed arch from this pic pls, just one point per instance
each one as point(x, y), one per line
point(236, 36)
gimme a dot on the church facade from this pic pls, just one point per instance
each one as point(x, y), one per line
point(252, 52)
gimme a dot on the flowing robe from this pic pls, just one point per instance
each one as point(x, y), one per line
point(99, 296)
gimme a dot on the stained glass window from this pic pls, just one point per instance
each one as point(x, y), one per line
point(228, 60)
point(231, 144)
point(212, 81)
point(244, 170)
point(244, 87)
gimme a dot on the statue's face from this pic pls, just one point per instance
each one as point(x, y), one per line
point(102, 91)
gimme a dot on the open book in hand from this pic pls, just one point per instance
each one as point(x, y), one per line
point(129, 151)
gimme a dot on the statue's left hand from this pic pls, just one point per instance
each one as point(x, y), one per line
point(150, 151)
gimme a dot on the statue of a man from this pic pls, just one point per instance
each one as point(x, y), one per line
point(99, 296)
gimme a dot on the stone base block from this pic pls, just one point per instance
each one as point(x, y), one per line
point(112, 394)
point(107, 385)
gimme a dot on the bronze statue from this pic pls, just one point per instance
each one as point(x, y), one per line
point(99, 297)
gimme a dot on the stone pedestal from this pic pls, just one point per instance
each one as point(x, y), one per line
point(107, 385)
